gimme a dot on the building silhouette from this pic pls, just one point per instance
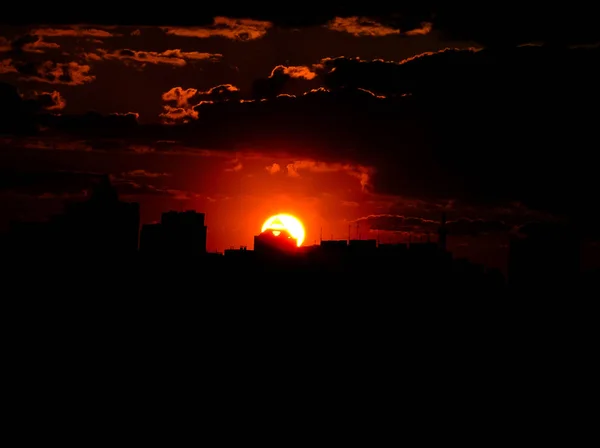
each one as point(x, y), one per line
point(275, 241)
point(100, 225)
point(105, 230)
point(544, 262)
point(442, 232)
point(178, 234)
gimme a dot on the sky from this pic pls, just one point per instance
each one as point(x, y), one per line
point(368, 122)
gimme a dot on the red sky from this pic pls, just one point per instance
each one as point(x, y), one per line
point(236, 119)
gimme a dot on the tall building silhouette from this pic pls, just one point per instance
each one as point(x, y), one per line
point(442, 232)
point(101, 225)
point(178, 233)
point(274, 241)
point(545, 261)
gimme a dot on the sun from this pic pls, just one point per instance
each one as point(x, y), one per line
point(287, 222)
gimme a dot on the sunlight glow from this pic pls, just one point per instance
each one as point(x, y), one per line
point(286, 222)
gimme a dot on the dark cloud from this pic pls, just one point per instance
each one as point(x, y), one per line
point(544, 230)
point(507, 23)
point(50, 101)
point(93, 124)
point(39, 183)
point(143, 173)
point(491, 126)
point(27, 43)
point(62, 184)
point(458, 227)
point(18, 115)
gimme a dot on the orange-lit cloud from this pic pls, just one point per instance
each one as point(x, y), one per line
point(181, 97)
point(171, 57)
point(426, 28)
point(364, 26)
point(74, 31)
point(51, 101)
point(236, 29)
point(274, 168)
point(39, 45)
point(235, 165)
point(185, 101)
point(69, 73)
point(293, 71)
point(173, 115)
point(135, 115)
point(362, 173)
point(27, 43)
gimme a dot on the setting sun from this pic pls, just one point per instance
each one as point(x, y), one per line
point(286, 222)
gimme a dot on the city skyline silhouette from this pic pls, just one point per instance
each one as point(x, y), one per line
point(104, 226)
point(365, 124)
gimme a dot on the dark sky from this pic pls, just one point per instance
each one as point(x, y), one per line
point(377, 116)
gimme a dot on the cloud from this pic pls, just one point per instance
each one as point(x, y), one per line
point(301, 72)
point(7, 66)
point(235, 166)
point(50, 72)
point(273, 85)
point(184, 102)
point(131, 189)
point(144, 173)
point(63, 184)
point(51, 101)
point(236, 29)
point(424, 29)
point(18, 113)
point(474, 127)
point(176, 58)
point(401, 77)
point(72, 31)
point(509, 25)
point(274, 168)
point(503, 23)
point(27, 43)
point(39, 183)
point(362, 173)
point(462, 226)
point(365, 26)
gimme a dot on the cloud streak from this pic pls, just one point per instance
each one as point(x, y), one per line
point(230, 28)
point(369, 27)
point(176, 57)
